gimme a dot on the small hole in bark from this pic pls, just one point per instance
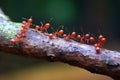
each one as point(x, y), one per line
point(51, 57)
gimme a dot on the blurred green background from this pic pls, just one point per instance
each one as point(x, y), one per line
point(93, 16)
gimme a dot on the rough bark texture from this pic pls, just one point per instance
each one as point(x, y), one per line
point(38, 45)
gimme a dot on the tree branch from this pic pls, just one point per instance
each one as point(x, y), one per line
point(38, 45)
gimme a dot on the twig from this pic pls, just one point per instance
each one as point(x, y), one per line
point(38, 45)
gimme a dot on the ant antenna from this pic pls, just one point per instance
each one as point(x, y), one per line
point(99, 31)
point(66, 28)
point(25, 18)
point(81, 29)
point(41, 23)
point(31, 17)
point(73, 28)
point(52, 29)
point(94, 36)
point(50, 19)
point(61, 26)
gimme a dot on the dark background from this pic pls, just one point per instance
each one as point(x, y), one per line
point(93, 16)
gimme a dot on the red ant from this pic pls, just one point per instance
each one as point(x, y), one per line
point(87, 38)
point(18, 39)
point(37, 27)
point(73, 35)
point(83, 38)
point(97, 49)
point(19, 36)
point(24, 26)
point(91, 39)
point(12, 41)
point(23, 30)
point(58, 33)
point(64, 36)
point(27, 24)
point(70, 36)
point(50, 36)
point(44, 28)
point(30, 20)
point(78, 37)
point(101, 41)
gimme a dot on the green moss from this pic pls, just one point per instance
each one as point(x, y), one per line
point(9, 29)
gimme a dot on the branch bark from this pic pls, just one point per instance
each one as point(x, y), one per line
point(38, 45)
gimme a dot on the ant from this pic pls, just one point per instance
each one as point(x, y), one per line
point(44, 28)
point(50, 36)
point(25, 25)
point(73, 35)
point(101, 41)
point(83, 38)
point(58, 33)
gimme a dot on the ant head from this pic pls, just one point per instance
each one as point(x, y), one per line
point(12, 41)
point(87, 36)
point(73, 34)
point(103, 40)
point(50, 35)
point(30, 20)
point(64, 36)
point(91, 39)
point(37, 27)
point(61, 32)
point(97, 49)
point(78, 37)
point(47, 25)
point(24, 22)
point(100, 37)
